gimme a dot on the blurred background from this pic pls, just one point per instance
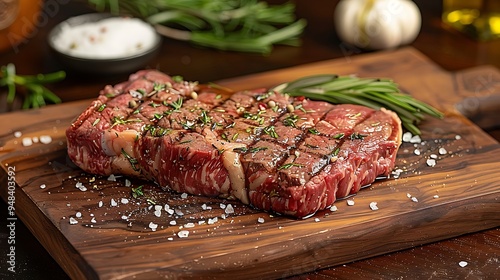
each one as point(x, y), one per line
point(25, 45)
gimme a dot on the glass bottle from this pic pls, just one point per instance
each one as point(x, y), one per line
point(480, 19)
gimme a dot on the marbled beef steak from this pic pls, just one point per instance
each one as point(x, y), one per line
point(278, 153)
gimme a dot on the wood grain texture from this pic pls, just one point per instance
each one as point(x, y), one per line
point(114, 240)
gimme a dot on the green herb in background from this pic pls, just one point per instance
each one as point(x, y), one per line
point(36, 94)
point(231, 25)
point(373, 93)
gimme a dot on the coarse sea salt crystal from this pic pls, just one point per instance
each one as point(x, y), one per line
point(173, 223)
point(183, 233)
point(72, 221)
point(27, 141)
point(18, 134)
point(414, 199)
point(229, 209)
point(189, 225)
point(34, 139)
point(373, 206)
point(407, 137)
point(184, 195)
point(442, 151)
point(153, 226)
point(124, 200)
point(431, 162)
point(463, 263)
point(127, 183)
point(350, 202)
point(333, 208)
point(100, 203)
point(260, 220)
point(43, 186)
point(317, 220)
point(212, 221)
point(396, 173)
point(415, 139)
point(80, 186)
point(45, 139)
point(112, 177)
point(416, 152)
point(458, 137)
point(157, 213)
point(78, 214)
point(436, 196)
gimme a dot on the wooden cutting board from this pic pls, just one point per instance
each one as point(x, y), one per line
point(113, 237)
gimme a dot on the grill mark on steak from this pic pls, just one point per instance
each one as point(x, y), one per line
point(326, 130)
point(251, 145)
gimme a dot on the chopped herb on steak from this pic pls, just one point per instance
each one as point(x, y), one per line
point(278, 153)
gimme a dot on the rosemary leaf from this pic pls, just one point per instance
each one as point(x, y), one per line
point(36, 95)
point(370, 92)
point(235, 25)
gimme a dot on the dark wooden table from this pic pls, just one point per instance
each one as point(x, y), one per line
point(449, 49)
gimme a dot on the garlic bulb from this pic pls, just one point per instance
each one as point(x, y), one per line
point(377, 24)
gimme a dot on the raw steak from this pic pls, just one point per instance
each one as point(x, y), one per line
point(281, 154)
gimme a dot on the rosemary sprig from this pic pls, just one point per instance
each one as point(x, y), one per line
point(234, 25)
point(370, 92)
point(36, 94)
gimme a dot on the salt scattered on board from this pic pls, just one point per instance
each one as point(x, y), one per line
point(373, 206)
point(229, 209)
point(27, 141)
point(153, 226)
point(45, 139)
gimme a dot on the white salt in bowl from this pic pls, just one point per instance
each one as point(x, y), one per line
point(104, 44)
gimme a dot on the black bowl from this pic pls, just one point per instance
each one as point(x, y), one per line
point(100, 66)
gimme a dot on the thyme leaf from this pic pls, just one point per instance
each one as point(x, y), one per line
point(176, 105)
point(291, 120)
point(205, 118)
point(357, 135)
point(271, 131)
point(290, 165)
point(133, 161)
point(137, 192)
